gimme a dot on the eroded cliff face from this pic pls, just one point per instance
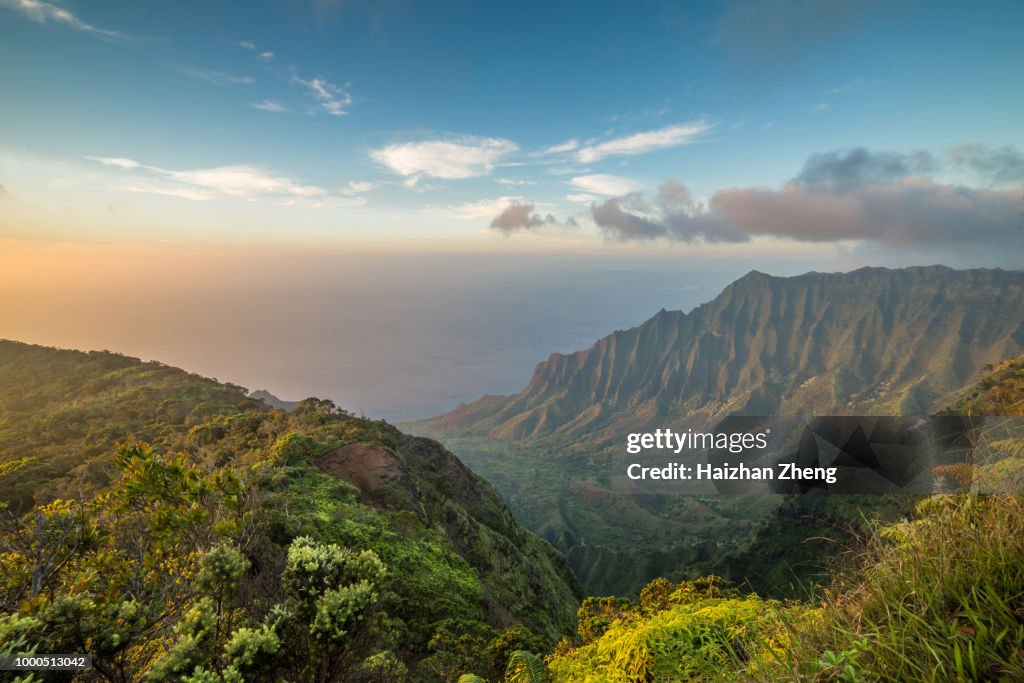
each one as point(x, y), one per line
point(871, 341)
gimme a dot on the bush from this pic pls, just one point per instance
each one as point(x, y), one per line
point(295, 449)
point(692, 631)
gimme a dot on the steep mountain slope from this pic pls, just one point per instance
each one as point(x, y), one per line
point(873, 341)
point(459, 565)
point(999, 392)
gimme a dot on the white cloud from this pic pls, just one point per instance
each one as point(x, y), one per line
point(332, 99)
point(45, 12)
point(567, 146)
point(821, 106)
point(324, 203)
point(603, 183)
point(483, 210)
point(240, 181)
point(359, 187)
point(648, 141)
point(513, 181)
point(267, 56)
point(270, 105)
point(215, 77)
point(244, 181)
point(449, 160)
point(581, 197)
point(117, 162)
point(180, 192)
point(247, 45)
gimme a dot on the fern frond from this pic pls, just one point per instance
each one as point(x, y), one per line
point(526, 667)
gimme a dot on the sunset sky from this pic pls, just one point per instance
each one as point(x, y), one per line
point(697, 140)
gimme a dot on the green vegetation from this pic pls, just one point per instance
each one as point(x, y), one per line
point(312, 545)
point(250, 543)
point(939, 597)
point(63, 412)
point(696, 630)
point(936, 596)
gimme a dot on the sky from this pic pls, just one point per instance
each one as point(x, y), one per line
point(519, 178)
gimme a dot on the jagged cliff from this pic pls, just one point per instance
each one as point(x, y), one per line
point(871, 341)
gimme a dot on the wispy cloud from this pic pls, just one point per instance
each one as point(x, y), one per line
point(270, 105)
point(45, 13)
point(640, 143)
point(117, 162)
point(561, 148)
point(604, 183)
point(333, 99)
point(513, 181)
point(215, 77)
point(265, 55)
point(484, 209)
point(358, 187)
point(167, 191)
point(240, 181)
point(465, 157)
point(581, 197)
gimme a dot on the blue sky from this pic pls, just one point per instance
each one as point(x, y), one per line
point(402, 205)
point(382, 122)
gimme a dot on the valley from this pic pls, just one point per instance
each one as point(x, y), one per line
point(871, 342)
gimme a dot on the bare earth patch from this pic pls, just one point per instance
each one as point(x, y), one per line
point(369, 467)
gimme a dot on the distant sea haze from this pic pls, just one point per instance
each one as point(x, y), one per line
point(397, 336)
point(416, 348)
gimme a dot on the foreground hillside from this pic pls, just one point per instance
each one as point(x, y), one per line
point(62, 412)
point(871, 342)
point(243, 540)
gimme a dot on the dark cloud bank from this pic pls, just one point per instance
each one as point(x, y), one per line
point(883, 197)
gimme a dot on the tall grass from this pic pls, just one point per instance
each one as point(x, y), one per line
point(939, 598)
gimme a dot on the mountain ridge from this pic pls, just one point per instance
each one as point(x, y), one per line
point(875, 341)
point(760, 345)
